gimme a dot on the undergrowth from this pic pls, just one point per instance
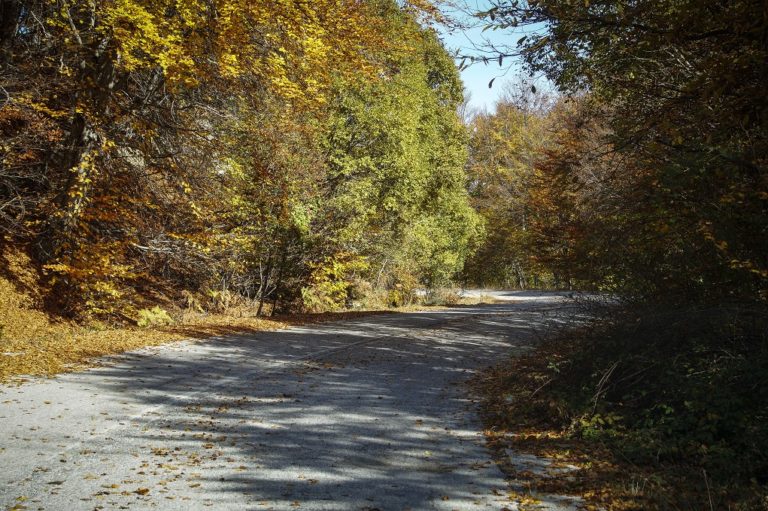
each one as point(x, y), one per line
point(660, 408)
point(36, 342)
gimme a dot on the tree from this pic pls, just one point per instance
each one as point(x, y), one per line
point(504, 147)
point(396, 181)
point(174, 147)
point(685, 85)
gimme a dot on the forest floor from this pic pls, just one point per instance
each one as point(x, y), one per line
point(368, 413)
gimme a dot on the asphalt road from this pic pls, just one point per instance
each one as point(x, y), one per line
point(368, 414)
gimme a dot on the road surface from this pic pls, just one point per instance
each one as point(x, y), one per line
point(368, 414)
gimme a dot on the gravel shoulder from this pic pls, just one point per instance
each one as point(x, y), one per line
point(365, 414)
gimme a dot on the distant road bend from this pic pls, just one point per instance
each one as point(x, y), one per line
point(367, 414)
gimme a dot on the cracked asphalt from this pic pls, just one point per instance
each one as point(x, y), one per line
point(365, 414)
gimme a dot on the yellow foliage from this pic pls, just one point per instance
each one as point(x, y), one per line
point(33, 343)
point(155, 316)
point(331, 282)
point(297, 48)
point(98, 272)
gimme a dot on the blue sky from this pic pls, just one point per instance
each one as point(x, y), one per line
point(477, 76)
point(467, 41)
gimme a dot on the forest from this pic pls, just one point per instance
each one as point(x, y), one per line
point(294, 156)
point(298, 154)
point(646, 180)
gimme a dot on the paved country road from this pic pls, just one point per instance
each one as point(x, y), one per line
point(365, 414)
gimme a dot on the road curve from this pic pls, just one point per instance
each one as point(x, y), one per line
point(367, 414)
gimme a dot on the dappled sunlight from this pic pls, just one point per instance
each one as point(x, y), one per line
point(366, 414)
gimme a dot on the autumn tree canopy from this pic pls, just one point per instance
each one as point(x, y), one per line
point(679, 89)
point(647, 180)
point(217, 149)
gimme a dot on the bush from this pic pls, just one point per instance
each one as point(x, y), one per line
point(675, 391)
point(442, 296)
point(689, 385)
point(153, 317)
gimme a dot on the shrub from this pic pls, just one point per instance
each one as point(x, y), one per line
point(153, 317)
point(442, 296)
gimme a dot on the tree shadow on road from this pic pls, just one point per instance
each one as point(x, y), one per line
point(369, 414)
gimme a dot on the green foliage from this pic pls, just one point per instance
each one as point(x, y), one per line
point(153, 317)
point(504, 147)
point(159, 148)
point(669, 394)
point(653, 186)
point(331, 284)
point(705, 408)
point(680, 173)
point(395, 169)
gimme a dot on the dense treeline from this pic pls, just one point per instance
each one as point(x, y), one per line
point(302, 154)
point(659, 172)
point(647, 180)
point(504, 148)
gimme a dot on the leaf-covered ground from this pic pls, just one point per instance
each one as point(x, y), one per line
point(540, 406)
point(35, 343)
point(370, 413)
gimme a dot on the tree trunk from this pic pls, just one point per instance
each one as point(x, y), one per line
point(278, 281)
point(263, 285)
point(80, 152)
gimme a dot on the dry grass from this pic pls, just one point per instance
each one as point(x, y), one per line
point(479, 300)
point(33, 345)
point(521, 417)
